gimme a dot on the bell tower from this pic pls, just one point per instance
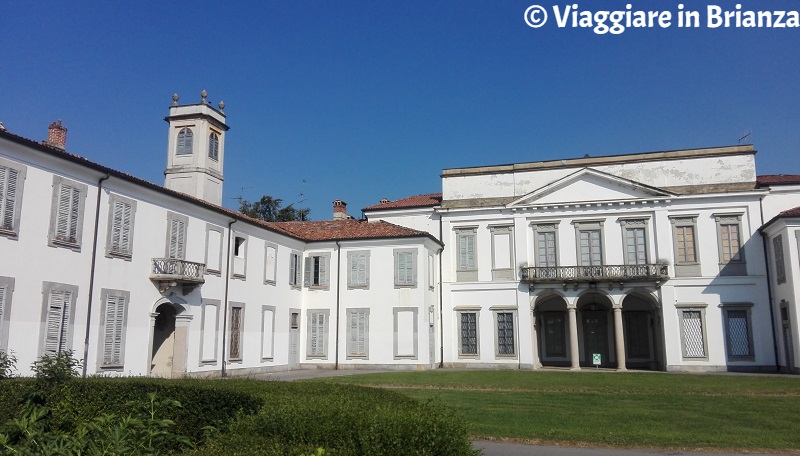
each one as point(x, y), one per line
point(196, 151)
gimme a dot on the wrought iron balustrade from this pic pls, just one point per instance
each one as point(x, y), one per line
point(608, 272)
point(173, 271)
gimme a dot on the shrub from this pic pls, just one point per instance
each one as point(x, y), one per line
point(8, 364)
point(57, 367)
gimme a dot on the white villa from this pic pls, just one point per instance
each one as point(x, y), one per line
point(680, 261)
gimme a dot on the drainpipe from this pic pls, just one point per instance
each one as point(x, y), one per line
point(227, 286)
point(91, 273)
point(441, 295)
point(769, 287)
point(338, 288)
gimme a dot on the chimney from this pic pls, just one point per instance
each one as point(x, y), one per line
point(384, 200)
point(340, 210)
point(56, 135)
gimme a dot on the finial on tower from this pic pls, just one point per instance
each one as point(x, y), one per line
point(204, 94)
point(221, 106)
point(175, 99)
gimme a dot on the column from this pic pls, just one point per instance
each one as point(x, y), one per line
point(619, 339)
point(573, 338)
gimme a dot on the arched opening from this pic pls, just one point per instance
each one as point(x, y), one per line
point(596, 328)
point(170, 324)
point(553, 331)
point(642, 330)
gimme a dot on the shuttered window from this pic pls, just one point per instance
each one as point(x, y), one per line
point(9, 179)
point(469, 333)
point(358, 269)
point(358, 332)
point(405, 268)
point(738, 332)
point(729, 238)
point(317, 334)
point(114, 329)
point(120, 242)
point(684, 236)
point(184, 146)
point(780, 266)
point(466, 251)
point(294, 269)
point(635, 246)
point(213, 146)
point(505, 333)
point(57, 321)
point(546, 249)
point(591, 252)
point(316, 271)
point(69, 199)
point(177, 239)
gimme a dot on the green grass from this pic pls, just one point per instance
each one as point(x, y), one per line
point(619, 409)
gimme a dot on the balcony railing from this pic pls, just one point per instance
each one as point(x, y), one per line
point(608, 273)
point(169, 272)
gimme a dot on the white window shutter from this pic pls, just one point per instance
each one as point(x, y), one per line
point(361, 331)
point(307, 272)
point(2, 309)
point(177, 239)
point(323, 270)
point(292, 269)
point(361, 265)
point(63, 216)
point(57, 321)
point(353, 339)
point(125, 227)
point(8, 196)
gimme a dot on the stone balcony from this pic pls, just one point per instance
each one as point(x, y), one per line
point(613, 273)
point(170, 272)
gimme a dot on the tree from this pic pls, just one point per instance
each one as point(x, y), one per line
point(269, 209)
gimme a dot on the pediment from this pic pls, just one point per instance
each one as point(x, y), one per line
point(590, 186)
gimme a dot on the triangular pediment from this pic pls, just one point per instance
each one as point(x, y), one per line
point(590, 186)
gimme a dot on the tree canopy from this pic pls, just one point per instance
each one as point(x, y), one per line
point(271, 209)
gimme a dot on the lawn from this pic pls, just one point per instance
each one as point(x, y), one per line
point(610, 408)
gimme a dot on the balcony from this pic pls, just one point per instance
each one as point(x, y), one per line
point(170, 272)
point(592, 274)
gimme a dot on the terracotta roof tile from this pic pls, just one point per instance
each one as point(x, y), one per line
point(795, 212)
point(427, 200)
point(340, 230)
point(778, 179)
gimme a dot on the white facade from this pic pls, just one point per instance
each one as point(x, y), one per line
point(646, 261)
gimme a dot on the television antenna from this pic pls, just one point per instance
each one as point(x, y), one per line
point(746, 134)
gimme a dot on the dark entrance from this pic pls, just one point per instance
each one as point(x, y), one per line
point(595, 336)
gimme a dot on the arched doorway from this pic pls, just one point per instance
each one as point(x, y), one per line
point(168, 349)
point(596, 330)
point(552, 327)
point(642, 330)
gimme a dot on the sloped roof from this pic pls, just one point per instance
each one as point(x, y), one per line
point(305, 231)
point(340, 230)
point(426, 200)
point(778, 179)
point(794, 212)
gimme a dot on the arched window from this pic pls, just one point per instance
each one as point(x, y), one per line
point(184, 142)
point(213, 146)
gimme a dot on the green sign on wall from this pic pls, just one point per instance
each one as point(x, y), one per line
point(596, 359)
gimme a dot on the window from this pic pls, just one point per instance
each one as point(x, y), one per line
point(738, 332)
point(176, 235)
point(213, 146)
point(316, 271)
point(731, 253)
point(209, 325)
point(6, 290)
point(431, 272)
point(405, 332)
point(115, 314)
point(546, 245)
point(468, 334)
point(590, 243)
point(405, 268)
point(12, 176)
point(502, 252)
point(635, 241)
point(239, 256)
point(121, 213)
point(505, 334)
point(780, 267)
point(213, 249)
point(358, 269)
point(357, 333)
point(237, 322)
point(693, 332)
point(270, 263)
point(687, 261)
point(267, 332)
point(184, 142)
point(294, 269)
point(467, 269)
point(66, 223)
point(317, 346)
point(57, 317)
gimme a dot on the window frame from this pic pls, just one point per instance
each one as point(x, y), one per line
point(464, 273)
point(323, 337)
point(352, 257)
point(459, 322)
point(431, 271)
point(544, 229)
point(105, 294)
point(503, 273)
point(628, 226)
point(701, 309)
point(7, 285)
point(111, 252)
point(746, 307)
point(324, 271)
point(780, 263)
point(236, 359)
point(47, 289)
point(351, 353)
point(21, 170)
point(188, 133)
point(295, 269)
point(588, 226)
point(205, 304)
point(396, 327)
point(209, 228)
point(213, 140)
point(264, 310)
point(685, 268)
point(172, 216)
point(414, 269)
point(514, 333)
point(732, 266)
point(239, 255)
point(55, 210)
point(270, 279)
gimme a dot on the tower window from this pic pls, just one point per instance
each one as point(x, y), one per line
point(184, 142)
point(213, 146)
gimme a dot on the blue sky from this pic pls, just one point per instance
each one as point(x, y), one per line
point(361, 100)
